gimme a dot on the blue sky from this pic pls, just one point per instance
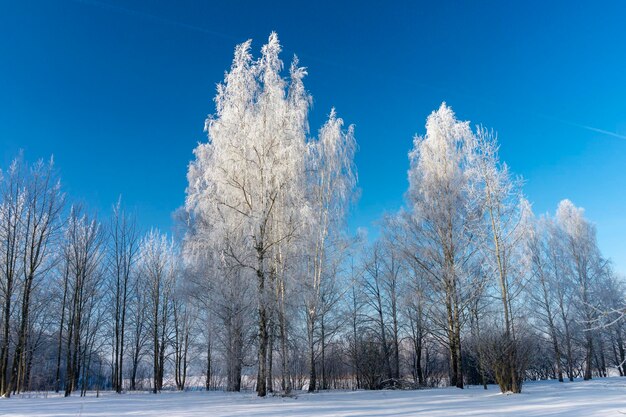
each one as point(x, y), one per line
point(118, 91)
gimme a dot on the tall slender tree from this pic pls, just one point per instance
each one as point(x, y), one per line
point(30, 221)
point(158, 269)
point(83, 253)
point(500, 233)
point(123, 251)
point(330, 186)
point(584, 268)
point(441, 219)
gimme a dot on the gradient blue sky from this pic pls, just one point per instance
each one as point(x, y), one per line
point(118, 91)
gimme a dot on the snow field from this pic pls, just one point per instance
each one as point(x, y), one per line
point(601, 397)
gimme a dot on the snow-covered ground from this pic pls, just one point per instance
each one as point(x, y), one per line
point(601, 397)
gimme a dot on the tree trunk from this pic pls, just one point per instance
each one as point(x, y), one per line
point(209, 369)
point(622, 353)
point(311, 334)
point(284, 383)
point(270, 360)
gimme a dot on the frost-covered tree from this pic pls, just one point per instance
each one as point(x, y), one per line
point(330, 185)
point(613, 296)
point(246, 182)
point(30, 206)
point(158, 269)
point(139, 329)
point(568, 285)
point(442, 213)
point(12, 207)
point(499, 239)
point(123, 251)
point(83, 256)
point(256, 187)
point(543, 260)
point(584, 268)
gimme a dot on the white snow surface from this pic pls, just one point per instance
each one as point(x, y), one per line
point(600, 397)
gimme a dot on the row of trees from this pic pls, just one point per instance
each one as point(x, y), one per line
point(264, 288)
point(267, 202)
point(81, 297)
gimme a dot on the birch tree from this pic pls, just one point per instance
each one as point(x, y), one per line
point(543, 266)
point(584, 268)
point(83, 254)
point(373, 286)
point(331, 182)
point(441, 217)
point(158, 269)
point(246, 184)
point(139, 336)
point(184, 316)
point(30, 207)
point(12, 207)
point(123, 251)
point(500, 232)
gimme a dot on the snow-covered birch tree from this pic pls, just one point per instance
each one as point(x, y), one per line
point(500, 231)
point(83, 255)
point(159, 269)
point(543, 268)
point(30, 206)
point(584, 268)
point(442, 216)
point(123, 253)
point(331, 183)
point(246, 181)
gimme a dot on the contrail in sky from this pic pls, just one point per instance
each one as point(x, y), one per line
point(595, 129)
point(581, 126)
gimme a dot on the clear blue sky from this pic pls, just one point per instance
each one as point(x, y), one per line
point(118, 91)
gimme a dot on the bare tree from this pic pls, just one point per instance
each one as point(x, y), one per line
point(373, 282)
point(139, 336)
point(158, 269)
point(83, 253)
point(30, 217)
point(123, 250)
point(184, 316)
point(12, 207)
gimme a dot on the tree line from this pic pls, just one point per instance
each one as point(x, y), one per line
point(263, 286)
